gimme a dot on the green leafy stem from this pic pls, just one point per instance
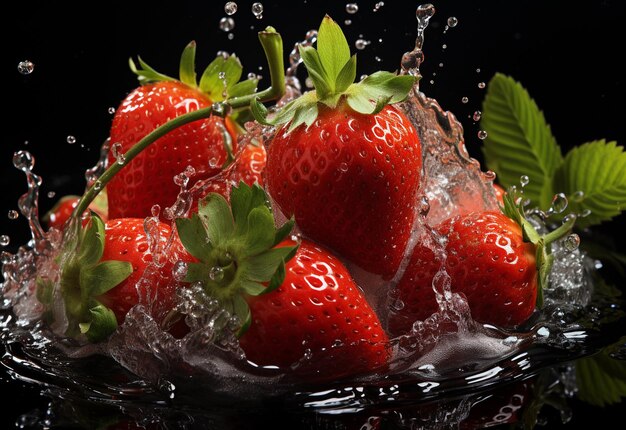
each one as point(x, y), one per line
point(273, 47)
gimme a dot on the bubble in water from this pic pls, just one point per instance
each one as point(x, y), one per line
point(111, 110)
point(23, 160)
point(352, 8)
point(464, 100)
point(216, 273)
point(452, 21)
point(571, 242)
point(13, 214)
point(378, 5)
point(360, 44)
point(4, 240)
point(559, 203)
point(227, 23)
point(481, 85)
point(477, 115)
point(524, 180)
point(578, 196)
point(482, 134)
point(230, 8)
point(257, 10)
point(51, 194)
point(25, 67)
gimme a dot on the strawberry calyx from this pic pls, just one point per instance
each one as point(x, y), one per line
point(333, 71)
point(236, 248)
point(514, 209)
point(84, 278)
point(219, 81)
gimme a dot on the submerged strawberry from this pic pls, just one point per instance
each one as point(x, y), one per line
point(205, 145)
point(292, 300)
point(499, 262)
point(99, 282)
point(344, 162)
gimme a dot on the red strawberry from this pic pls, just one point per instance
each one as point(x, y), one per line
point(499, 193)
point(99, 282)
point(345, 164)
point(499, 263)
point(307, 306)
point(62, 210)
point(204, 145)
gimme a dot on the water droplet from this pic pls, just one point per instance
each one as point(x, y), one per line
point(378, 59)
point(352, 8)
point(51, 194)
point(179, 271)
point(482, 134)
point(220, 109)
point(578, 196)
point(360, 44)
point(464, 100)
point(343, 167)
point(481, 85)
point(424, 11)
point(116, 150)
point(213, 162)
point(378, 6)
point(571, 242)
point(444, 46)
point(13, 214)
point(477, 70)
point(25, 67)
point(559, 203)
point(309, 82)
point(97, 185)
point(584, 213)
point(231, 36)
point(111, 110)
point(477, 115)
point(257, 10)
point(568, 218)
point(363, 76)
point(223, 54)
point(347, 22)
point(216, 273)
point(524, 180)
point(227, 24)
point(452, 21)
point(71, 139)
point(4, 240)
point(230, 8)
point(221, 75)
point(23, 160)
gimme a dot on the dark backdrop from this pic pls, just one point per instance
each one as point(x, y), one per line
point(566, 55)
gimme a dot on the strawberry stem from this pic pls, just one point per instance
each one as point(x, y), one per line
point(272, 46)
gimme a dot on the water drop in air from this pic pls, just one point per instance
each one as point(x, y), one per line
point(227, 24)
point(51, 194)
point(481, 85)
point(482, 134)
point(578, 196)
point(464, 100)
point(230, 8)
point(524, 180)
point(231, 36)
point(257, 10)
point(378, 5)
point(23, 160)
point(71, 140)
point(352, 8)
point(111, 110)
point(444, 46)
point(477, 70)
point(559, 203)
point(477, 115)
point(4, 240)
point(25, 67)
point(452, 21)
point(347, 22)
point(13, 214)
point(360, 44)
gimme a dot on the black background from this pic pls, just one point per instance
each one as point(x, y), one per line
point(566, 55)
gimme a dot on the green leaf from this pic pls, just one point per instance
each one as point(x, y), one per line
point(146, 74)
point(193, 236)
point(365, 96)
point(321, 81)
point(187, 69)
point(243, 88)
point(598, 169)
point(601, 380)
point(98, 279)
point(103, 323)
point(212, 84)
point(519, 141)
point(215, 212)
point(346, 76)
point(92, 243)
point(333, 49)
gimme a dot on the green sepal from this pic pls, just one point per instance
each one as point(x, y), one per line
point(44, 291)
point(101, 325)
point(91, 244)
point(215, 87)
point(187, 68)
point(145, 73)
point(100, 278)
point(243, 88)
point(242, 250)
point(333, 71)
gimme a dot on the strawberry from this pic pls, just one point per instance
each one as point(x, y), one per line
point(293, 301)
point(499, 193)
point(205, 145)
point(497, 260)
point(62, 210)
point(99, 281)
point(343, 162)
